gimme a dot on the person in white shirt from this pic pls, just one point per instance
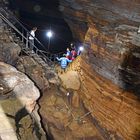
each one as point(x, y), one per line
point(31, 38)
point(139, 30)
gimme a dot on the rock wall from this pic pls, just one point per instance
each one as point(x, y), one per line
point(115, 58)
point(109, 66)
point(62, 118)
point(9, 49)
point(115, 110)
point(18, 96)
point(105, 14)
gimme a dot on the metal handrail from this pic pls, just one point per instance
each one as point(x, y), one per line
point(5, 16)
point(17, 21)
point(14, 28)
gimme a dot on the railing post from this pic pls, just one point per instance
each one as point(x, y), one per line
point(27, 40)
point(22, 39)
point(54, 57)
point(36, 51)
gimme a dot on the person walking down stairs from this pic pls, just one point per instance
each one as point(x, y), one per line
point(31, 38)
point(64, 61)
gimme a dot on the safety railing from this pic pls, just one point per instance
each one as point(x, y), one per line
point(37, 51)
point(21, 27)
point(23, 33)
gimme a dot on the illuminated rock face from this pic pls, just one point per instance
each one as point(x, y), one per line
point(116, 59)
point(115, 110)
point(105, 14)
point(109, 68)
point(18, 96)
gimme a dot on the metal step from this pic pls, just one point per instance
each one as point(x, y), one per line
point(7, 31)
point(21, 43)
point(45, 65)
point(33, 54)
point(16, 39)
point(37, 58)
point(42, 62)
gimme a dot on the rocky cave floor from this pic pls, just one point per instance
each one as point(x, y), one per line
point(65, 116)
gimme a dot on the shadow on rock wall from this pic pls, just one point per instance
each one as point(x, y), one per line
point(130, 72)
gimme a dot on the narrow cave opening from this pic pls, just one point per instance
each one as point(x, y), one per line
point(45, 15)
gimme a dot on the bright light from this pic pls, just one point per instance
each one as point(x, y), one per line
point(81, 48)
point(49, 34)
point(71, 44)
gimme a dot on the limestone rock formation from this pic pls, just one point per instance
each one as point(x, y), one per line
point(18, 96)
point(28, 65)
point(106, 15)
point(70, 80)
point(42, 77)
point(9, 50)
point(109, 67)
point(115, 109)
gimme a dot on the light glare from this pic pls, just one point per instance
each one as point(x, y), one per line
point(49, 34)
point(81, 48)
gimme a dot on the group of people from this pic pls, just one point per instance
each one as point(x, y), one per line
point(68, 57)
point(71, 55)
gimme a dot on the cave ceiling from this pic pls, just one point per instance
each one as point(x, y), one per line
point(106, 14)
point(37, 9)
point(106, 10)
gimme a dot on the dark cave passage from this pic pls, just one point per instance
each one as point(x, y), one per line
point(45, 15)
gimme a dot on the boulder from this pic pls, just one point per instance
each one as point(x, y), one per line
point(70, 80)
point(18, 96)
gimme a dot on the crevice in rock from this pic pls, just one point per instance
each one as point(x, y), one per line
point(107, 135)
point(18, 116)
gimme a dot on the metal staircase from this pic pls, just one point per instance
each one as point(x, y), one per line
point(20, 35)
